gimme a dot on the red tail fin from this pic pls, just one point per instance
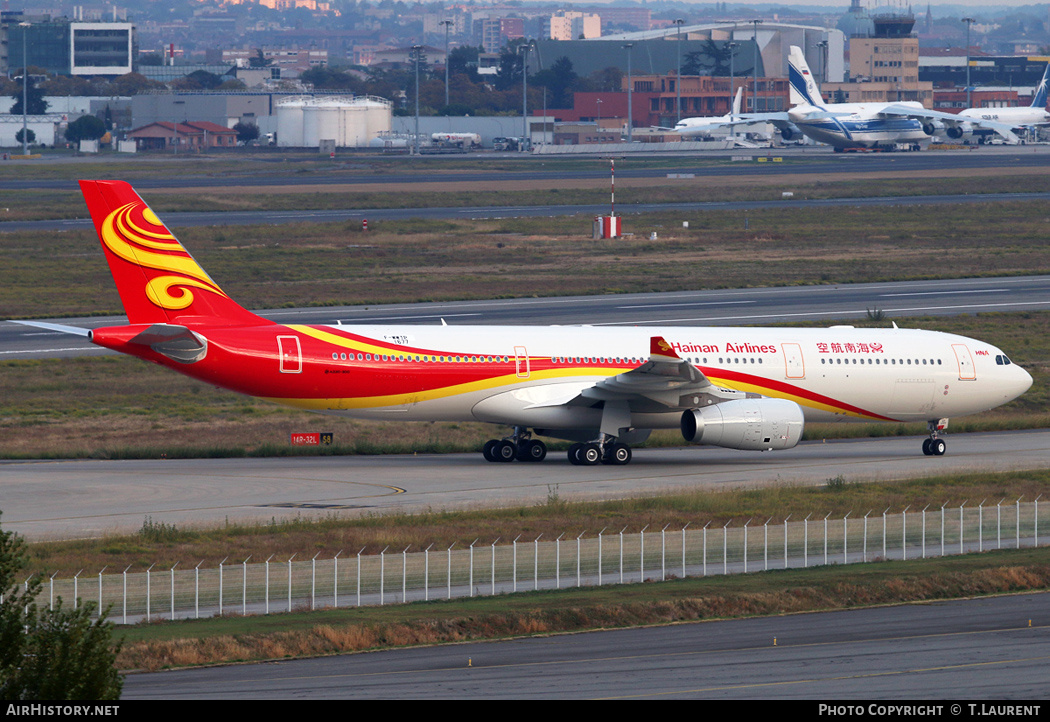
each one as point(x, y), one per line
point(158, 280)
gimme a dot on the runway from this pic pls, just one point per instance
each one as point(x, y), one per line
point(67, 499)
point(947, 654)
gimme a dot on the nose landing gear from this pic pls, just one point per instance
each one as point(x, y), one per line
point(935, 446)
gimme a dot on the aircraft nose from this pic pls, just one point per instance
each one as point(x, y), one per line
point(1022, 380)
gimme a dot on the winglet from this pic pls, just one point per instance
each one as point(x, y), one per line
point(661, 350)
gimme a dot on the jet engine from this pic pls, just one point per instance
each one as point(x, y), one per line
point(750, 424)
point(790, 131)
point(958, 131)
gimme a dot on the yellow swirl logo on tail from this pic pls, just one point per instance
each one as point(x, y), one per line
point(134, 233)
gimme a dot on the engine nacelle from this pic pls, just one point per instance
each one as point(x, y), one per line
point(958, 131)
point(790, 131)
point(748, 424)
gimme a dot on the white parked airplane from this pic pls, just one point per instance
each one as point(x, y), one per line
point(704, 126)
point(1017, 118)
point(855, 125)
point(602, 388)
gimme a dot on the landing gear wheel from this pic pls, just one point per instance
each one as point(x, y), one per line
point(617, 455)
point(574, 450)
point(489, 450)
point(589, 454)
point(934, 447)
point(533, 450)
point(505, 450)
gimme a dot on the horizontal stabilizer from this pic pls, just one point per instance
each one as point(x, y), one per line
point(72, 330)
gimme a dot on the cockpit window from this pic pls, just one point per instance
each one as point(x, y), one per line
point(1002, 360)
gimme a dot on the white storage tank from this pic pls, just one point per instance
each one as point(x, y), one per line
point(290, 122)
point(350, 122)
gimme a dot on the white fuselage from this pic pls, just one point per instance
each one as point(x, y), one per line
point(837, 373)
point(853, 125)
point(1015, 117)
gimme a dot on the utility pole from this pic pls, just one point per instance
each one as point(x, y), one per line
point(678, 78)
point(448, 24)
point(969, 22)
point(416, 51)
point(25, 89)
point(754, 89)
point(630, 122)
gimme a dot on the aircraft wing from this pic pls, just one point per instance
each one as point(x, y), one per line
point(665, 382)
point(904, 111)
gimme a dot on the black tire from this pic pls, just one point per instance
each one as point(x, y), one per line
point(489, 450)
point(938, 447)
point(618, 455)
point(589, 454)
point(533, 450)
point(506, 451)
point(573, 454)
point(926, 447)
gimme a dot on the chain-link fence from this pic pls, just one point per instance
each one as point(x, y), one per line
point(610, 557)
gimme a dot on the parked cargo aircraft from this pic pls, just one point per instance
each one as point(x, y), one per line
point(602, 388)
point(856, 125)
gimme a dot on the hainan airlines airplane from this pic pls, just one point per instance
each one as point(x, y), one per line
point(601, 388)
point(857, 125)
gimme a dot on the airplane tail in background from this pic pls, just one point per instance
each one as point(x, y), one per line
point(1039, 101)
point(736, 100)
point(804, 89)
point(157, 279)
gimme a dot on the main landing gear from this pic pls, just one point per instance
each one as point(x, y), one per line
point(600, 452)
point(518, 447)
point(935, 446)
point(521, 447)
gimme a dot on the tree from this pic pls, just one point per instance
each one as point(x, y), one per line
point(86, 127)
point(29, 133)
point(246, 132)
point(34, 96)
point(55, 653)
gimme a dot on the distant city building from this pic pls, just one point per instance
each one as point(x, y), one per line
point(569, 25)
point(492, 34)
point(66, 47)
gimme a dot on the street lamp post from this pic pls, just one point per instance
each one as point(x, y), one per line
point(754, 70)
point(416, 51)
point(25, 89)
point(969, 22)
point(732, 82)
point(524, 47)
point(678, 78)
point(630, 122)
point(598, 105)
point(447, 24)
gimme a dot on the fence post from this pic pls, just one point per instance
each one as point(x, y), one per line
point(404, 574)
point(904, 533)
point(148, 594)
point(514, 564)
point(578, 580)
point(536, 563)
point(600, 555)
point(999, 524)
point(449, 571)
point(313, 582)
point(765, 544)
point(805, 541)
point(725, 547)
point(663, 553)
point(884, 556)
point(683, 549)
point(826, 539)
point(107, 567)
point(335, 579)
point(557, 561)
point(845, 536)
point(621, 554)
point(641, 556)
point(786, 540)
point(470, 576)
point(961, 527)
point(980, 526)
point(267, 583)
point(290, 581)
point(705, 548)
point(382, 575)
point(924, 530)
point(1036, 502)
point(1017, 520)
point(865, 553)
point(426, 574)
point(244, 585)
point(173, 592)
point(359, 576)
point(494, 566)
point(125, 617)
point(220, 585)
point(745, 544)
point(942, 527)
